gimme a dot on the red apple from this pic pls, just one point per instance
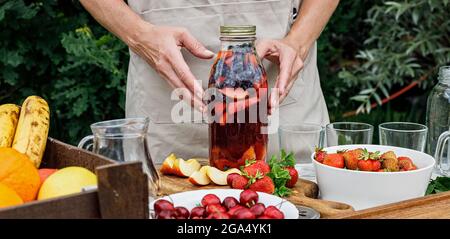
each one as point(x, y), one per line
point(44, 173)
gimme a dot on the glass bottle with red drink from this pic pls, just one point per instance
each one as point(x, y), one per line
point(238, 101)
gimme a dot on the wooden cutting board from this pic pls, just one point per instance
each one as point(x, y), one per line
point(435, 206)
point(304, 194)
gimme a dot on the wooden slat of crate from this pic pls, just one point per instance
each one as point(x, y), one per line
point(123, 188)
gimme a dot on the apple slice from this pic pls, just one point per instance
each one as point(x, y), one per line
point(167, 166)
point(185, 168)
point(199, 177)
point(220, 177)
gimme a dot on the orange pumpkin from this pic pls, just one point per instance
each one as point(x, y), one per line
point(18, 173)
point(8, 197)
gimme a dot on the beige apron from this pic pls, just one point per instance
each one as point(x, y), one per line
point(149, 95)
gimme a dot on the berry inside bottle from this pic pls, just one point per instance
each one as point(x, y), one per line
point(239, 105)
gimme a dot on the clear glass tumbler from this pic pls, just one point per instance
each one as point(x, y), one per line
point(342, 133)
point(302, 140)
point(403, 134)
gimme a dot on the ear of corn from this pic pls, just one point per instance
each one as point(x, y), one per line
point(9, 116)
point(32, 129)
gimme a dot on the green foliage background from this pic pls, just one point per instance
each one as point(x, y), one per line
point(368, 50)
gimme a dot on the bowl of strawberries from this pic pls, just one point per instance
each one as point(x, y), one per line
point(223, 204)
point(366, 176)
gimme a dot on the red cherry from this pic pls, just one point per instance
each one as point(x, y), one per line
point(199, 212)
point(231, 177)
point(230, 202)
point(182, 213)
point(234, 209)
point(248, 198)
point(258, 209)
point(166, 214)
point(264, 217)
point(219, 215)
point(214, 208)
point(161, 205)
point(210, 199)
point(244, 213)
point(273, 212)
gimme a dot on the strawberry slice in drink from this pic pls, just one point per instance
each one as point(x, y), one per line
point(241, 105)
point(232, 93)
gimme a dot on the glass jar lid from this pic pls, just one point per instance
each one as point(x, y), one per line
point(238, 31)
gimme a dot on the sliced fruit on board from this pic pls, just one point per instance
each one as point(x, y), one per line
point(200, 178)
point(185, 168)
point(167, 166)
point(220, 177)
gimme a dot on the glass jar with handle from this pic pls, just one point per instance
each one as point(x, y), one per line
point(438, 109)
point(124, 140)
point(442, 154)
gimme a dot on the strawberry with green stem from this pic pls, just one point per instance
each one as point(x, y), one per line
point(369, 161)
point(319, 155)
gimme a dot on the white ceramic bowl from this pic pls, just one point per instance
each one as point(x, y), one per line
point(370, 189)
point(191, 199)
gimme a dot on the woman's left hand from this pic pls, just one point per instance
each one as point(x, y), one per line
point(285, 55)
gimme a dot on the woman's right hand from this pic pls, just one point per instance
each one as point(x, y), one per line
point(160, 47)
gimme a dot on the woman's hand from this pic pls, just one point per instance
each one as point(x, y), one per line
point(160, 47)
point(289, 61)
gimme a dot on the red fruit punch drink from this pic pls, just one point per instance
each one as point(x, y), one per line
point(238, 102)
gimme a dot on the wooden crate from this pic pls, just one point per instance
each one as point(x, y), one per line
point(122, 190)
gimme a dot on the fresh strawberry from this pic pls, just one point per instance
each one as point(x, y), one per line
point(351, 158)
point(369, 161)
point(406, 164)
point(369, 165)
point(294, 177)
point(320, 155)
point(376, 165)
point(231, 177)
point(264, 184)
point(253, 167)
point(334, 160)
point(239, 182)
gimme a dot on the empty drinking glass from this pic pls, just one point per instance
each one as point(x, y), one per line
point(342, 133)
point(403, 134)
point(302, 139)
